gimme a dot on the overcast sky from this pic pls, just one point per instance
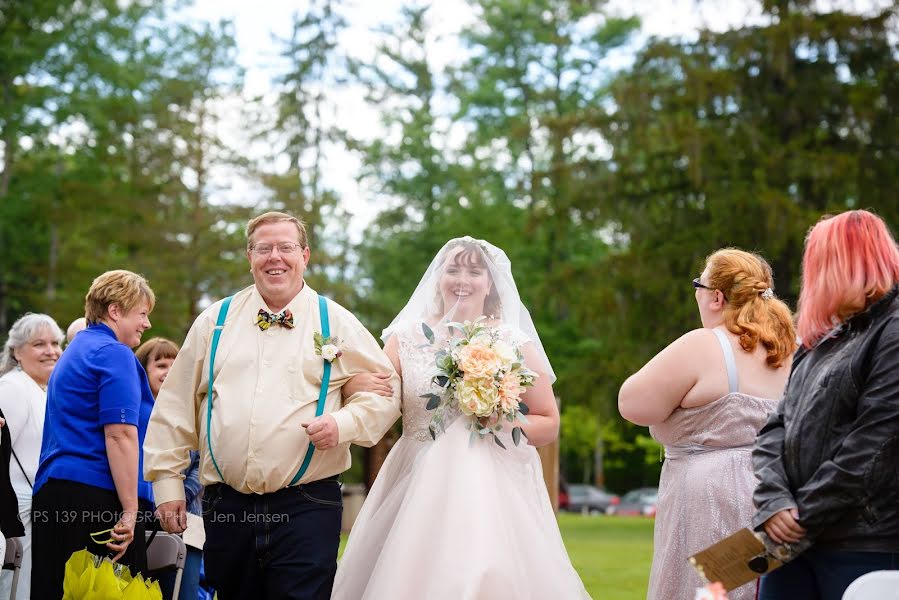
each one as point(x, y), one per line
point(257, 23)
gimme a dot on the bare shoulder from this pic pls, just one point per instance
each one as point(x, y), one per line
point(695, 340)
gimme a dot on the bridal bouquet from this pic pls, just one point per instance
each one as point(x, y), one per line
point(481, 375)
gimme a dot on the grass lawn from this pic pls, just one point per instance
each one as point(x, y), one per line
point(611, 554)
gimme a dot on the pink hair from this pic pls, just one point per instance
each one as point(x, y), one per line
point(850, 261)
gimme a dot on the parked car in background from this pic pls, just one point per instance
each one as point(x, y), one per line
point(590, 499)
point(563, 497)
point(640, 502)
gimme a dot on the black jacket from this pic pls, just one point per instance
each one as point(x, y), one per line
point(831, 449)
point(10, 523)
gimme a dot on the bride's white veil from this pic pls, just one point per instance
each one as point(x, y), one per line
point(503, 303)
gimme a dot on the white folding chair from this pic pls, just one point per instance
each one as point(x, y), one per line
point(167, 551)
point(13, 562)
point(876, 585)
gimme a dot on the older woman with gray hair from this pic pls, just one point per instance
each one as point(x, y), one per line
point(29, 355)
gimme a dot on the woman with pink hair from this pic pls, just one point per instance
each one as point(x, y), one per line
point(828, 459)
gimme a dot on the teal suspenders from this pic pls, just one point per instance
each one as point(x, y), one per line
point(216, 334)
point(323, 392)
point(322, 395)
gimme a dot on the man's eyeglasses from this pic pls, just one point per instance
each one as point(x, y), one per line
point(283, 248)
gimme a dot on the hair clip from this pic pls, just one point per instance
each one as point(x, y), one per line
point(768, 294)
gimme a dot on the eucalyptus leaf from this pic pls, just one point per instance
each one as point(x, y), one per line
point(433, 401)
point(441, 380)
point(498, 442)
point(429, 333)
point(455, 325)
point(432, 430)
point(523, 408)
point(516, 435)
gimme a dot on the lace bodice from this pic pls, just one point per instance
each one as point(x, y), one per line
point(417, 362)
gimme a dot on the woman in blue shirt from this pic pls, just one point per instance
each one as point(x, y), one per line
point(98, 405)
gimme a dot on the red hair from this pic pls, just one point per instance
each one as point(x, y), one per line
point(744, 277)
point(850, 261)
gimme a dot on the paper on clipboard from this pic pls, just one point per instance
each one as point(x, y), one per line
point(735, 560)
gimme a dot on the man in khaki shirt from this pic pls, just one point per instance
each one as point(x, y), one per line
point(266, 538)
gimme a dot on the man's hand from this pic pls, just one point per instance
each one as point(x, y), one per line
point(173, 516)
point(322, 432)
point(784, 527)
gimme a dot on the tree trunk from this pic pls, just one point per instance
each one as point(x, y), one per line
point(8, 141)
point(8, 146)
point(53, 252)
point(598, 469)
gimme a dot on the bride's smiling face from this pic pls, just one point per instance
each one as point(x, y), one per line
point(465, 282)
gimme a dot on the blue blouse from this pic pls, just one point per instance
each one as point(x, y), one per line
point(97, 381)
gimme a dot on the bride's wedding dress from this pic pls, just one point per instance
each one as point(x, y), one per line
point(453, 519)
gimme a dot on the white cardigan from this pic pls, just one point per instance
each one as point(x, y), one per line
point(24, 404)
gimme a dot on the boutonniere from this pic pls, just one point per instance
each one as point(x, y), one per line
point(327, 347)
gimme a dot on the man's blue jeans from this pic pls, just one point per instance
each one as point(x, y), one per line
point(281, 545)
point(822, 574)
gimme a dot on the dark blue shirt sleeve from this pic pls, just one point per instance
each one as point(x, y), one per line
point(119, 384)
point(192, 487)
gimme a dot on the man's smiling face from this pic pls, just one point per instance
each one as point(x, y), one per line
point(278, 275)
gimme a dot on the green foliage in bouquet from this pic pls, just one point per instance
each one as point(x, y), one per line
point(483, 377)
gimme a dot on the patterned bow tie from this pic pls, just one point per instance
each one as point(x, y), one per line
point(265, 319)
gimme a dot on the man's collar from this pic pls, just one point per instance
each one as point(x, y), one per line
point(296, 303)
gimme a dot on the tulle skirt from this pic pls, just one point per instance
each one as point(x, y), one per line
point(453, 520)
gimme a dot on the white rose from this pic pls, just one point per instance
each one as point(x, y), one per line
point(476, 397)
point(505, 351)
point(330, 352)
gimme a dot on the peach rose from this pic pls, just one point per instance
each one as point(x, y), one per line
point(478, 361)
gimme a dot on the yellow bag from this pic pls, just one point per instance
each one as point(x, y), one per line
point(89, 577)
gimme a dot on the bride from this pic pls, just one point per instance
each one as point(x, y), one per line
point(454, 518)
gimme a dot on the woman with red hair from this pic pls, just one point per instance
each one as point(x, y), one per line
point(705, 397)
point(828, 458)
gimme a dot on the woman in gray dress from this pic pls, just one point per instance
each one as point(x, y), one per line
point(704, 397)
